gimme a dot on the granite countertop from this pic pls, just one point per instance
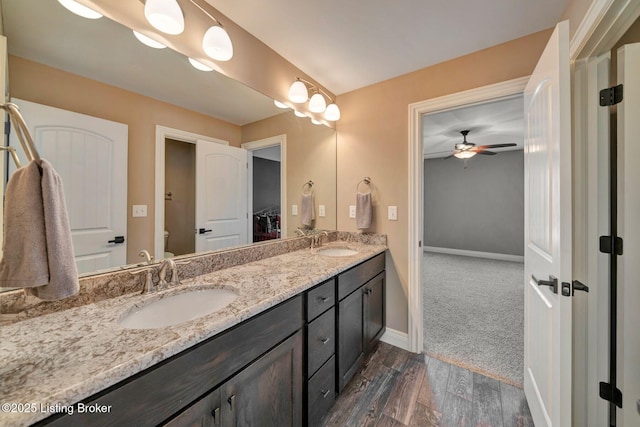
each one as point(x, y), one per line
point(64, 357)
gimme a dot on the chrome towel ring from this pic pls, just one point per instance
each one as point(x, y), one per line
point(366, 181)
point(307, 186)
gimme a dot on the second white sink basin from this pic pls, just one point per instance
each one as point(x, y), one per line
point(337, 252)
point(178, 308)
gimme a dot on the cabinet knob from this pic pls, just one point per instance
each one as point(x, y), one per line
point(323, 299)
point(325, 340)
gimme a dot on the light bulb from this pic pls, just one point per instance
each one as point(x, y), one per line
point(280, 104)
point(466, 154)
point(164, 15)
point(299, 114)
point(216, 43)
point(148, 41)
point(80, 9)
point(316, 122)
point(199, 65)
point(317, 104)
point(332, 113)
point(298, 92)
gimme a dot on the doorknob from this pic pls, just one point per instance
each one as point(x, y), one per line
point(117, 239)
point(202, 231)
point(552, 283)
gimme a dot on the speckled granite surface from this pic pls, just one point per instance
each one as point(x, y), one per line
point(66, 356)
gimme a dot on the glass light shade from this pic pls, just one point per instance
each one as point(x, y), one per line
point(280, 104)
point(299, 114)
point(317, 104)
point(298, 92)
point(332, 113)
point(199, 65)
point(465, 154)
point(316, 122)
point(80, 9)
point(216, 43)
point(148, 41)
point(164, 15)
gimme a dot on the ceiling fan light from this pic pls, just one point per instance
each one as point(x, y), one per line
point(80, 9)
point(148, 41)
point(332, 113)
point(280, 104)
point(317, 103)
point(165, 15)
point(466, 154)
point(216, 43)
point(199, 65)
point(298, 92)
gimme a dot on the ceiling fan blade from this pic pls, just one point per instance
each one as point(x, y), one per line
point(482, 147)
point(450, 155)
point(437, 152)
point(490, 153)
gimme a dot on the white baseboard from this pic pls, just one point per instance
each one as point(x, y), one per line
point(477, 254)
point(396, 338)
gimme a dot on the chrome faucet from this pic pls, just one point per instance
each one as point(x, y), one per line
point(145, 254)
point(300, 232)
point(167, 266)
point(316, 239)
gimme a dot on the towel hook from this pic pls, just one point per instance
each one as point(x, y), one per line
point(305, 185)
point(14, 155)
point(367, 181)
point(22, 130)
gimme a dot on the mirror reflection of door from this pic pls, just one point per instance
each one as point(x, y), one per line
point(179, 198)
point(90, 155)
point(266, 171)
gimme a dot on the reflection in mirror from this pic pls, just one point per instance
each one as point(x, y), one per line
point(97, 69)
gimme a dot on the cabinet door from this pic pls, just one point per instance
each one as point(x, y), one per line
point(269, 391)
point(350, 336)
point(204, 413)
point(374, 311)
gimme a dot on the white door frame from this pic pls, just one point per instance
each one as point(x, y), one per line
point(162, 133)
point(273, 141)
point(416, 164)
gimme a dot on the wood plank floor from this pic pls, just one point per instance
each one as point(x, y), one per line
point(399, 388)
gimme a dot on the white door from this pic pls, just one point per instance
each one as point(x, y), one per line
point(548, 328)
point(221, 196)
point(628, 377)
point(90, 155)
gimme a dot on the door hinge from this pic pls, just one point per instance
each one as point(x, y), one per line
point(7, 127)
point(611, 245)
point(611, 394)
point(611, 96)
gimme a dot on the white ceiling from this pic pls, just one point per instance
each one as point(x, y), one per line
point(497, 122)
point(347, 44)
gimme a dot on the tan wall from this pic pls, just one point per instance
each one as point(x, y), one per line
point(373, 141)
point(575, 12)
point(311, 155)
point(49, 86)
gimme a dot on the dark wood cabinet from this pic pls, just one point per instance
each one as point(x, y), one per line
point(374, 316)
point(350, 336)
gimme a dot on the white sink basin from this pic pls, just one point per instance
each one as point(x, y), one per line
point(337, 252)
point(178, 308)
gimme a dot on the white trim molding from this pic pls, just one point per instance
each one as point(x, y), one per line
point(416, 111)
point(396, 338)
point(475, 254)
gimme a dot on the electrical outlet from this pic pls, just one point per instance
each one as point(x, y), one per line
point(321, 211)
point(139, 211)
point(352, 211)
point(294, 210)
point(392, 213)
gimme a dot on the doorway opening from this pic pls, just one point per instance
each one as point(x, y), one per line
point(473, 293)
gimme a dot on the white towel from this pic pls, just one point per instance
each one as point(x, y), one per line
point(307, 210)
point(37, 251)
point(363, 210)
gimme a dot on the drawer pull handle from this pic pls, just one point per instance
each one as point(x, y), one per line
point(323, 299)
point(231, 399)
point(325, 340)
point(325, 393)
point(215, 414)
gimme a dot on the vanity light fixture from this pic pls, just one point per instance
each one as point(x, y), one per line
point(316, 122)
point(164, 15)
point(216, 42)
point(199, 65)
point(80, 9)
point(280, 104)
point(299, 93)
point(299, 114)
point(146, 40)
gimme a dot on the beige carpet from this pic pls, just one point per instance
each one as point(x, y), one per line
point(474, 314)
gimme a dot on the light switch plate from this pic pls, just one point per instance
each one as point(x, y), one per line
point(321, 211)
point(294, 209)
point(392, 212)
point(352, 211)
point(139, 211)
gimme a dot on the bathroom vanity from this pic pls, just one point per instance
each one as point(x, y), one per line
point(278, 355)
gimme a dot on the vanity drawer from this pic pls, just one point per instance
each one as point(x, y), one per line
point(352, 279)
point(320, 341)
point(321, 392)
point(320, 299)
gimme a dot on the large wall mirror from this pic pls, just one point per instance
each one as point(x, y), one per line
point(85, 85)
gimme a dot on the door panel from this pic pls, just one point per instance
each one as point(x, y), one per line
point(548, 328)
point(90, 155)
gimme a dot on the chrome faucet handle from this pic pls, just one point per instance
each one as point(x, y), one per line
point(147, 287)
point(174, 273)
point(165, 264)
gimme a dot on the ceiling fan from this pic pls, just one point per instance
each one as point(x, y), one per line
point(466, 150)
